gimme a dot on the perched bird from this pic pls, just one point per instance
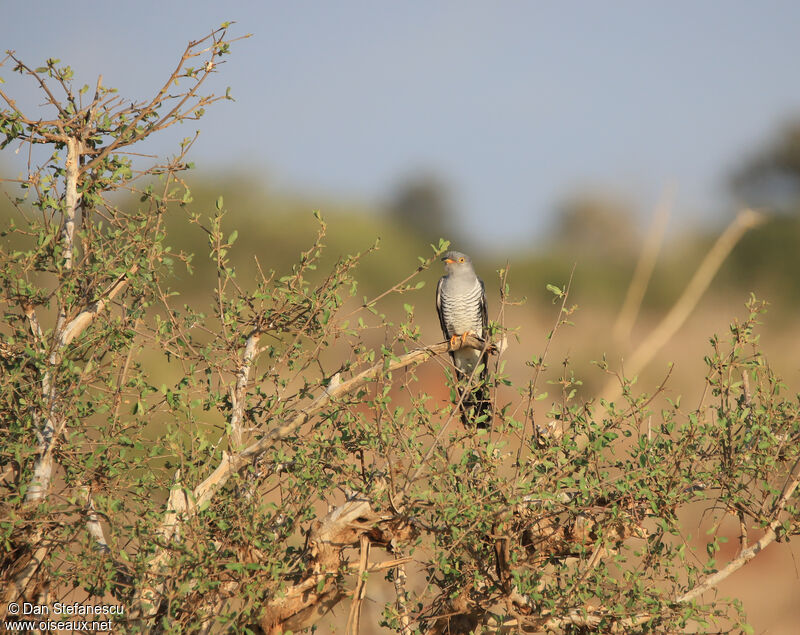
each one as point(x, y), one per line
point(461, 304)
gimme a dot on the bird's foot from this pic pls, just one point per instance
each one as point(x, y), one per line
point(454, 341)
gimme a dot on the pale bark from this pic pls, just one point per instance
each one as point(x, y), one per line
point(239, 392)
point(45, 433)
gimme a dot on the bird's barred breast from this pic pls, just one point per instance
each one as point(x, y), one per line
point(462, 310)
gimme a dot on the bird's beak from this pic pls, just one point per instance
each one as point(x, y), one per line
point(449, 261)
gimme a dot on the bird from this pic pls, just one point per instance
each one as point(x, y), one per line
point(461, 305)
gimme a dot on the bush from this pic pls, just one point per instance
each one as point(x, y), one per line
point(232, 466)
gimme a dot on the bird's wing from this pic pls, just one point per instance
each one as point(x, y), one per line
point(441, 315)
point(484, 311)
point(485, 328)
point(439, 308)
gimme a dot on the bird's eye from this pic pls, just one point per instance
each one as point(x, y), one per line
point(460, 260)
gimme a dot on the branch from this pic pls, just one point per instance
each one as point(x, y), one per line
point(401, 594)
point(752, 551)
point(181, 508)
point(355, 522)
point(122, 139)
point(93, 525)
point(78, 324)
point(147, 596)
point(71, 198)
point(591, 618)
point(230, 465)
point(46, 434)
point(16, 590)
point(239, 391)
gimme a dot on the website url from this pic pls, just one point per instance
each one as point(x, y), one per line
point(53, 625)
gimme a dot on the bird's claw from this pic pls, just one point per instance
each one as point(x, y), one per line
point(463, 337)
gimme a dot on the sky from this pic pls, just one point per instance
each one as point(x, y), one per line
point(514, 105)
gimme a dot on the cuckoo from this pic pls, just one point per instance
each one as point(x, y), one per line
point(461, 304)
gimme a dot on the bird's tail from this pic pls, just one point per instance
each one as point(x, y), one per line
point(476, 405)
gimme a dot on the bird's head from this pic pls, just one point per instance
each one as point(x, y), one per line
point(456, 262)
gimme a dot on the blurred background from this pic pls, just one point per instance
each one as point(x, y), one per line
point(540, 137)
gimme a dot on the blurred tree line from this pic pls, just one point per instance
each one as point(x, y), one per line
point(597, 231)
point(770, 180)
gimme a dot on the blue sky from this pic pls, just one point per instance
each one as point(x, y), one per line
point(513, 104)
